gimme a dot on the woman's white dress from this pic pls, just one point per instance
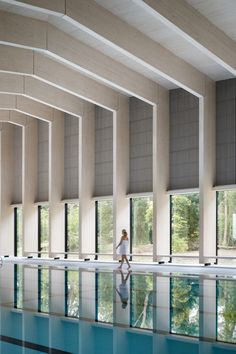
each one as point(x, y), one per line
point(124, 247)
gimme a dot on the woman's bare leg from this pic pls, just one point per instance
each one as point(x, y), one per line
point(127, 261)
point(122, 261)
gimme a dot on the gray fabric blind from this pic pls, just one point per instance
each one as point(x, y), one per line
point(43, 160)
point(103, 152)
point(141, 146)
point(225, 132)
point(184, 140)
point(17, 164)
point(71, 155)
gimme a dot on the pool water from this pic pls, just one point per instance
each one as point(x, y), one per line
point(86, 311)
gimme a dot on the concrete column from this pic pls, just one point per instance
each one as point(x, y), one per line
point(161, 201)
point(86, 181)
point(56, 180)
point(207, 196)
point(6, 176)
point(121, 218)
point(29, 186)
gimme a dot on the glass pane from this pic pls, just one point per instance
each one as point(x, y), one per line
point(226, 311)
point(142, 296)
point(73, 229)
point(185, 226)
point(44, 231)
point(18, 291)
point(185, 306)
point(44, 287)
point(104, 296)
point(104, 226)
point(141, 228)
point(72, 293)
point(226, 225)
point(19, 237)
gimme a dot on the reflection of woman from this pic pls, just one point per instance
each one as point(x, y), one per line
point(123, 290)
point(124, 244)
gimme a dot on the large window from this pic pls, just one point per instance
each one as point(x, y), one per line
point(18, 234)
point(226, 225)
point(72, 293)
point(142, 296)
point(185, 226)
point(184, 306)
point(71, 230)
point(226, 311)
point(43, 290)
point(43, 231)
point(104, 297)
point(104, 228)
point(141, 228)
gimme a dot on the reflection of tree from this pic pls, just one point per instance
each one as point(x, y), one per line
point(142, 221)
point(185, 306)
point(73, 227)
point(226, 311)
point(226, 208)
point(105, 226)
point(185, 222)
point(44, 290)
point(73, 293)
point(105, 297)
point(142, 301)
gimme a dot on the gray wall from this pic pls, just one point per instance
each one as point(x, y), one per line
point(43, 160)
point(141, 146)
point(71, 155)
point(184, 140)
point(103, 152)
point(225, 132)
point(17, 164)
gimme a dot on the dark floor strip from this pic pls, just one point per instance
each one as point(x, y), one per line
point(33, 346)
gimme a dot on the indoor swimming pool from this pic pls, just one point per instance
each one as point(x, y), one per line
point(49, 309)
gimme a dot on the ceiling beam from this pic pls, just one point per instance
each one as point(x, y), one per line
point(74, 53)
point(14, 117)
point(191, 25)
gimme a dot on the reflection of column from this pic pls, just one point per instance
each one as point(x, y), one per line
point(7, 284)
point(56, 178)
point(207, 313)
point(57, 281)
point(29, 187)
point(30, 293)
point(87, 299)
point(162, 304)
point(120, 170)
point(161, 208)
point(86, 180)
point(7, 219)
point(207, 197)
point(121, 314)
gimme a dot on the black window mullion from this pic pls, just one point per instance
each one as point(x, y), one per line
point(39, 230)
point(66, 230)
point(15, 233)
point(96, 228)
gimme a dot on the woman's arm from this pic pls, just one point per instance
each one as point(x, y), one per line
point(119, 243)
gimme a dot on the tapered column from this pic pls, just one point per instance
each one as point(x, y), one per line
point(207, 196)
point(29, 186)
point(121, 218)
point(6, 211)
point(56, 180)
point(161, 204)
point(86, 181)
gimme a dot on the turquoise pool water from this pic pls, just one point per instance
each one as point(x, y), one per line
point(86, 311)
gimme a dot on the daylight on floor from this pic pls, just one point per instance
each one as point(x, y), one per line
point(118, 176)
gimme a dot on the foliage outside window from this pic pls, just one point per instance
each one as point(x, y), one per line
point(72, 232)
point(226, 311)
point(141, 227)
point(43, 291)
point(185, 306)
point(142, 296)
point(18, 286)
point(226, 225)
point(72, 293)
point(104, 227)
point(104, 297)
point(185, 225)
point(18, 231)
point(44, 230)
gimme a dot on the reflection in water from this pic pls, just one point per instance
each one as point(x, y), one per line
point(159, 306)
point(185, 306)
point(226, 311)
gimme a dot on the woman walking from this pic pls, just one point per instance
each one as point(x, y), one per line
point(124, 244)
